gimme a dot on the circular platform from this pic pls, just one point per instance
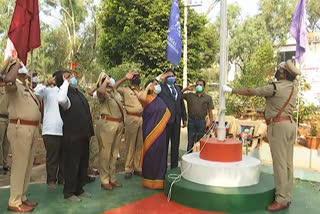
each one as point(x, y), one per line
point(229, 150)
point(221, 199)
point(234, 174)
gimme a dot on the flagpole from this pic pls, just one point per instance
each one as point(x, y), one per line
point(298, 106)
point(223, 69)
point(32, 69)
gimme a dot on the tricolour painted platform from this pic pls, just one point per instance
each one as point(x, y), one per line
point(221, 174)
point(222, 199)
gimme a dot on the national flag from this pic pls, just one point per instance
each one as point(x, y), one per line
point(298, 29)
point(174, 46)
point(24, 30)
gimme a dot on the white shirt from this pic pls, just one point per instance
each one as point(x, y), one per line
point(52, 122)
point(172, 87)
point(62, 97)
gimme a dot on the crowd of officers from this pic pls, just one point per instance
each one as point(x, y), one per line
point(22, 106)
point(120, 108)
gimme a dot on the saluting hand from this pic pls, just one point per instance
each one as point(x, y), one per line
point(130, 75)
point(51, 81)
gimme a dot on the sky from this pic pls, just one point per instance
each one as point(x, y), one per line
point(248, 7)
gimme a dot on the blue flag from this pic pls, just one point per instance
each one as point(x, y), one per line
point(174, 35)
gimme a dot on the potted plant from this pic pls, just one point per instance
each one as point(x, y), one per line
point(312, 139)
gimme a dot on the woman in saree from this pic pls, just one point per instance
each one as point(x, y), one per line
point(154, 152)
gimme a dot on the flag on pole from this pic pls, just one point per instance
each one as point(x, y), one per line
point(298, 29)
point(10, 51)
point(174, 46)
point(24, 31)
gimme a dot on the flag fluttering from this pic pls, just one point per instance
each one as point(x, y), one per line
point(298, 29)
point(24, 30)
point(174, 46)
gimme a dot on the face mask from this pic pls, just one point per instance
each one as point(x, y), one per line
point(136, 81)
point(199, 88)
point(74, 81)
point(171, 80)
point(23, 70)
point(277, 74)
point(112, 82)
point(35, 79)
point(157, 89)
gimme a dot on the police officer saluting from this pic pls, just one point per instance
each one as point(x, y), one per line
point(24, 118)
point(281, 99)
point(133, 122)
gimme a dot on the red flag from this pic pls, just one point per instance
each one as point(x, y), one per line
point(24, 30)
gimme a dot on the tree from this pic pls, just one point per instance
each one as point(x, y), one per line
point(313, 11)
point(136, 31)
point(6, 11)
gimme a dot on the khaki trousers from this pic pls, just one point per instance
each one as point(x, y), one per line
point(282, 136)
point(134, 141)
point(4, 143)
point(109, 137)
point(22, 138)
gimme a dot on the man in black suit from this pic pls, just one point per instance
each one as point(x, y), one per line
point(172, 96)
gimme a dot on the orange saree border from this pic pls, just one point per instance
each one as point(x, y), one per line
point(153, 184)
point(154, 134)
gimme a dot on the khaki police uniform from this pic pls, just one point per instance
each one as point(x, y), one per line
point(4, 143)
point(23, 131)
point(133, 127)
point(281, 134)
point(109, 135)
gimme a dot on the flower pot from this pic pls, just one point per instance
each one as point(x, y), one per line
point(312, 142)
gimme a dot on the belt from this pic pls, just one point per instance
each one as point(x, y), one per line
point(105, 117)
point(25, 122)
point(196, 118)
point(134, 114)
point(4, 116)
point(277, 119)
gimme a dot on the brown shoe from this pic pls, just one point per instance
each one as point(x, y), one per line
point(106, 186)
point(115, 184)
point(21, 208)
point(275, 206)
point(30, 203)
point(128, 175)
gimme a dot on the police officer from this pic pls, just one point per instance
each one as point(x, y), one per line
point(281, 99)
point(4, 143)
point(23, 131)
point(133, 122)
point(109, 134)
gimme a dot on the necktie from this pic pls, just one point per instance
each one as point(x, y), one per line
point(173, 91)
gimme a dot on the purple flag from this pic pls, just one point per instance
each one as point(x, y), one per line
point(298, 28)
point(174, 46)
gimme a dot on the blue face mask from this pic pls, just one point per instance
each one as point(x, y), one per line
point(171, 80)
point(74, 82)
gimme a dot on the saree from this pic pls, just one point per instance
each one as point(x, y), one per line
point(154, 152)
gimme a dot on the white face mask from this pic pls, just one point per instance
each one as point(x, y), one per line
point(157, 89)
point(112, 82)
point(23, 70)
point(35, 79)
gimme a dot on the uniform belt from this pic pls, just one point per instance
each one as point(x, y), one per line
point(277, 119)
point(25, 122)
point(4, 116)
point(105, 117)
point(134, 114)
point(197, 118)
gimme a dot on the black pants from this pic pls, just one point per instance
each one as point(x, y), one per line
point(54, 159)
point(75, 159)
point(173, 134)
